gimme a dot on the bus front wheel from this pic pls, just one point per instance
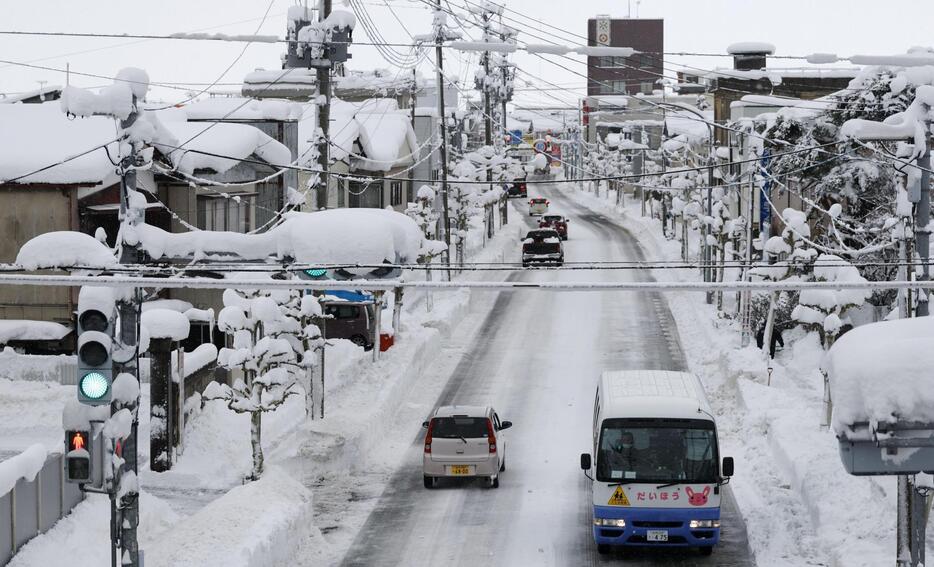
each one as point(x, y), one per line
point(603, 548)
point(706, 550)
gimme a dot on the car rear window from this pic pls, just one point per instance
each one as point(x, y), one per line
point(455, 427)
point(552, 218)
point(538, 201)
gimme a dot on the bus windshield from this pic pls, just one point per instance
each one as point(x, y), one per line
point(660, 451)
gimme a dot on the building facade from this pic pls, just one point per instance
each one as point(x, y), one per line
point(625, 75)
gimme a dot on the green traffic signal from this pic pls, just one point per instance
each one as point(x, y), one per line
point(94, 385)
point(316, 272)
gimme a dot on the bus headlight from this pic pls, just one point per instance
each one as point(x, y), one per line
point(610, 522)
point(704, 524)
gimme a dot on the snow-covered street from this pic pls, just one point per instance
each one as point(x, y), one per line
point(536, 358)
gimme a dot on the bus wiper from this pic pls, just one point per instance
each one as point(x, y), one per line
point(620, 483)
point(660, 486)
point(461, 437)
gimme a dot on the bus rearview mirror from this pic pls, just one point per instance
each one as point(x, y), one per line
point(585, 461)
point(727, 466)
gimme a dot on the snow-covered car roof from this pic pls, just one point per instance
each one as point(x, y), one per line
point(470, 411)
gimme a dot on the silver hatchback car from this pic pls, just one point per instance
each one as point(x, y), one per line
point(464, 441)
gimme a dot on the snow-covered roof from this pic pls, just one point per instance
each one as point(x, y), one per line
point(776, 75)
point(750, 47)
point(387, 139)
point(38, 135)
point(385, 133)
point(24, 330)
point(47, 90)
point(338, 236)
point(382, 80)
point(882, 372)
point(239, 141)
point(237, 108)
point(653, 393)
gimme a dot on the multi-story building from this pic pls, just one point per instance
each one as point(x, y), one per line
point(607, 75)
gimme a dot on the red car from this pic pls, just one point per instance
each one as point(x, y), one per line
point(557, 222)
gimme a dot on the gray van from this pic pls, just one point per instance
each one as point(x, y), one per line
point(351, 321)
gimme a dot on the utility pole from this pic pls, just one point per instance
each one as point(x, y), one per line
point(125, 516)
point(440, 36)
point(746, 307)
point(324, 117)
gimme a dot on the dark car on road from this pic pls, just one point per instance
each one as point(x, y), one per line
point(542, 246)
point(517, 188)
point(557, 222)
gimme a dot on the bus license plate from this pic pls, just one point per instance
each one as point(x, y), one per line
point(656, 535)
point(462, 470)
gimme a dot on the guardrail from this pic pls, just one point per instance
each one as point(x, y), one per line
point(31, 507)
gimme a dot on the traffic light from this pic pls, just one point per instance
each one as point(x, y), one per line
point(78, 456)
point(95, 329)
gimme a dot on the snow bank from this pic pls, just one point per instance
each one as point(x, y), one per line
point(883, 371)
point(80, 539)
point(64, 249)
point(253, 525)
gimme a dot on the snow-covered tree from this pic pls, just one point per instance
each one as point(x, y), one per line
point(270, 348)
point(824, 310)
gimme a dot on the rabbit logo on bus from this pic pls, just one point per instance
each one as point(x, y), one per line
point(697, 498)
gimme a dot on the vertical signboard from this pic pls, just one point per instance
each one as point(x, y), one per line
point(603, 30)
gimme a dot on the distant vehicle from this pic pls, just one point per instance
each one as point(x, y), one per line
point(542, 245)
point(517, 188)
point(557, 222)
point(351, 320)
point(538, 206)
point(657, 476)
point(464, 441)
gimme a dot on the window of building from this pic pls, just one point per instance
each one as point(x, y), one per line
point(613, 87)
point(647, 87)
point(365, 195)
point(395, 193)
point(234, 213)
point(341, 189)
point(646, 60)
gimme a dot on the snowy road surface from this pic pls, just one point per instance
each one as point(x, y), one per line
point(536, 358)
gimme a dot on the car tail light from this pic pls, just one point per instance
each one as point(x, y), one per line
point(431, 425)
point(547, 202)
point(492, 435)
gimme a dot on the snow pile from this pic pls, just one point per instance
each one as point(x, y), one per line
point(253, 525)
point(65, 249)
point(907, 124)
point(165, 324)
point(882, 372)
point(22, 330)
point(174, 304)
point(24, 466)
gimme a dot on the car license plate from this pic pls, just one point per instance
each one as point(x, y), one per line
point(656, 535)
point(460, 469)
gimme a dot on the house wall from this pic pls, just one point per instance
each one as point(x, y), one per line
point(29, 211)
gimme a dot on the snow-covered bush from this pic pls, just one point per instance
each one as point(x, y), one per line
point(824, 310)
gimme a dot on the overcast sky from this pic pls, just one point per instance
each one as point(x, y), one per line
point(795, 27)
